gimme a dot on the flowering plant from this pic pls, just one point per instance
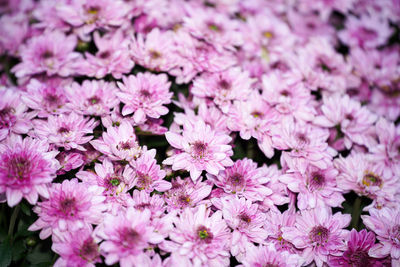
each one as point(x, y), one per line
point(200, 133)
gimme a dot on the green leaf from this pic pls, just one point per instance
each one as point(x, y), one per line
point(5, 253)
point(18, 249)
point(25, 208)
point(37, 257)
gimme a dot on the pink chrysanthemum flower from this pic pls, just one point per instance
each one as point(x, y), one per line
point(269, 256)
point(185, 193)
point(201, 238)
point(385, 223)
point(26, 169)
point(94, 97)
point(51, 52)
point(119, 143)
point(126, 236)
point(70, 206)
point(254, 118)
point(353, 119)
point(246, 221)
point(145, 95)
point(201, 148)
point(315, 188)
point(91, 14)
point(13, 31)
point(148, 175)
point(46, 97)
point(68, 131)
point(358, 173)
point(69, 160)
point(319, 234)
point(14, 115)
point(155, 51)
point(143, 200)
point(224, 87)
point(243, 179)
point(76, 248)
point(356, 255)
point(274, 221)
point(303, 144)
point(112, 56)
point(215, 28)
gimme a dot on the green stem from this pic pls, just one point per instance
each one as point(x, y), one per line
point(355, 215)
point(250, 149)
point(12, 221)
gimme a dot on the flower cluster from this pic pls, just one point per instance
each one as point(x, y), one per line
point(204, 133)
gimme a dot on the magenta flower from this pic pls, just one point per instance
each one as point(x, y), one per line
point(319, 234)
point(69, 160)
point(358, 246)
point(71, 206)
point(95, 98)
point(155, 203)
point(199, 237)
point(76, 248)
point(14, 115)
point(201, 148)
point(68, 131)
point(155, 51)
point(186, 193)
point(385, 222)
point(315, 188)
point(246, 221)
point(125, 236)
point(50, 53)
point(26, 169)
point(47, 97)
point(269, 256)
point(112, 56)
point(224, 87)
point(148, 175)
point(145, 95)
point(243, 179)
point(119, 143)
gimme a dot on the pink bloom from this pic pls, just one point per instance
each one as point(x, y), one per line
point(70, 160)
point(14, 115)
point(155, 203)
point(26, 169)
point(201, 238)
point(76, 248)
point(274, 221)
point(385, 223)
point(353, 119)
point(254, 118)
point(224, 87)
point(13, 31)
point(269, 256)
point(366, 31)
point(68, 131)
point(145, 95)
point(365, 177)
point(215, 28)
point(358, 245)
point(246, 222)
point(243, 179)
point(315, 188)
point(119, 143)
point(94, 97)
point(304, 144)
point(185, 193)
point(125, 236)
point(319, 233)
point(71, 206)
point(113, 180)
point(200, 148)
point(155, 50)
point(112, 56)
point(91, 14)
point(51, 52)
point(148, 175)
point(46, 97)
